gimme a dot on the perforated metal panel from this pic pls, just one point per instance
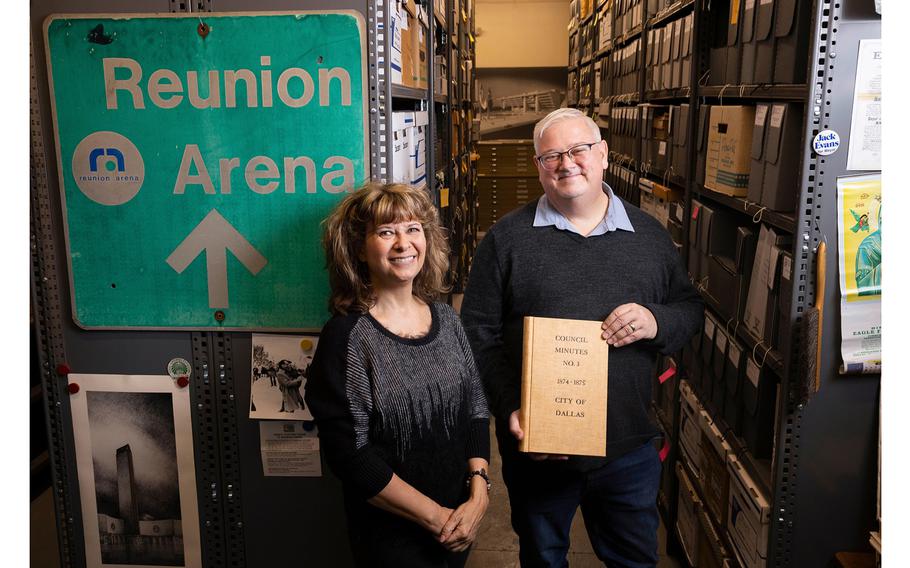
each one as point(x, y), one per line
point(827, 458)
point(45, 292)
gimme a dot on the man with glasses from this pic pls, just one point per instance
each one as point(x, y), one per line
point(580, 252)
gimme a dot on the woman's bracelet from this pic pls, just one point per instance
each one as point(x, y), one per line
point(482, 473)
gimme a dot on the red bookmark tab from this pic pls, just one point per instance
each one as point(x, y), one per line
point(667, 375)
point(664, 451)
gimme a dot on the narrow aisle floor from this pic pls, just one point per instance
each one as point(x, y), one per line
point(497, 545)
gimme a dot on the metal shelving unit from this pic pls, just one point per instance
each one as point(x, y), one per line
point(808, 504)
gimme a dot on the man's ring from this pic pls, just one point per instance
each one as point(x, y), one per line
point(632, 327)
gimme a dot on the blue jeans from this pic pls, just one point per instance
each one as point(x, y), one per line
point(618, 502)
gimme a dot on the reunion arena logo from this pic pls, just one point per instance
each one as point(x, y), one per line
point(108, 168)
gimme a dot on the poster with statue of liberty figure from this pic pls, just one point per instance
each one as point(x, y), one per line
point(859, 215)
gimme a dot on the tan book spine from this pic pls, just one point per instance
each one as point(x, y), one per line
point(526, 375)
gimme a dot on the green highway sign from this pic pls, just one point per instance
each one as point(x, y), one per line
point(197, 157)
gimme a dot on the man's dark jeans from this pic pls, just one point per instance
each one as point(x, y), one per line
point(618, 502)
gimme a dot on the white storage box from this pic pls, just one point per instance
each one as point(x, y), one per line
point(747, 517)
point(402, 124)
point(689, 506)
point(690, 428)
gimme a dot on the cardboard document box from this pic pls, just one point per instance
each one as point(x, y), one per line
point(721, 235)
point(734, 45)
point(748, 516)
point(402, 123)
point(772, 314)
point(676, 223)
point(716, 486)
point(791, 32)
point(784, 303)
point(757, 165)
point(718, 397)
point(707, 353)
point(747, 35)
point(729, 274)
point(689, 430)
point(605, 27)
point(705, 228)
point(676, 54)
point(636, 65)
point(666, 52)
point(688, 507)
point(637, 13)
point(764, 42)
point(686, 54)
point(712, 552)
point(398, 20)
point(418, 148)
point(652, 78)
point(717, 61)
point(780, 181)
point(755, 313)
point(728, 162)
point(759, 394)
point(694, 254)
point(680, 140)
point(723, 285)
point(733, 373)
point(705, 388)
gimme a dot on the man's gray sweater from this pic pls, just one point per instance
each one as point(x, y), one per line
point(521, 270)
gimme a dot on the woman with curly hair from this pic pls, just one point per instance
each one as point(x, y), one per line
point(393, 386)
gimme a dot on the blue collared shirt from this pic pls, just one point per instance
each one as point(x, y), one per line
point(616, 217)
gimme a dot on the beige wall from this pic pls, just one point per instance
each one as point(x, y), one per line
point(518, 33)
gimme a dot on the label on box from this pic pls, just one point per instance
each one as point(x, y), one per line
point(753, 372)
point(750, 4)
point(761, 111)
point(786, 270)
point(734, 12)
point(720, 341)
point(734, 353)
point(709, 329)
point(765, 2)
point(662, 148)
point(777, 116)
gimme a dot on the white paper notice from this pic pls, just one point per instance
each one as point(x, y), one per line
point(288, 450)
point(865, 151)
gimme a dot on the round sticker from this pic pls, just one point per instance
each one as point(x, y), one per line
point(826, 142)
point(108, 168)
point(306, 344)
point(179, 367)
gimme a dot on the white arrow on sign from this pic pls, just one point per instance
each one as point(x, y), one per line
point(216, 236)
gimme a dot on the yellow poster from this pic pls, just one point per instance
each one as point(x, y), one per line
point(859, 228)
point(860, 216)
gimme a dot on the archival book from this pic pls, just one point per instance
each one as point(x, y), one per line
point(563, 387)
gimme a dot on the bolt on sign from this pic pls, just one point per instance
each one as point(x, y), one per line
point(197, 158)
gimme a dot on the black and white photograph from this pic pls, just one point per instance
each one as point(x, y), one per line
point(138, 487)
point(278, 375)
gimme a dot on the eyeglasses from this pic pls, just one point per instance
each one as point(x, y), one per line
point(577, 153)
